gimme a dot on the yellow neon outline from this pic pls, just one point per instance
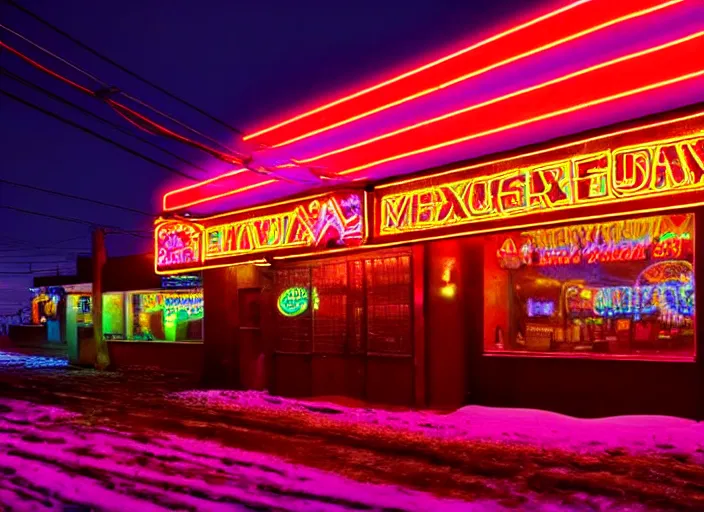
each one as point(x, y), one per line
point(634, 129)
point(160, 222)
point(540, 151)
point(496, 230)
point(495, 214)
point(300, 204)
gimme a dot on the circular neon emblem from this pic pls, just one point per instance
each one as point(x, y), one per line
point(295, 301)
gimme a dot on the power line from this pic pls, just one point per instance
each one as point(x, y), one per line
point(121, 129)
point(21, 244)
point(72, 219)
point(53, 262)
point(130, 115)
point(78, 198)
point(44, 254)
point(121, 67)
point(85, 129)
point(143, 123)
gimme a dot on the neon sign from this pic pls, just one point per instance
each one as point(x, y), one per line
point(185, 281)
point(295, 301)
point(174, 303)
point(540, 308)
point(177, 244)
point(656, 238)
point(660, 168)
point(673, 297)
point(328, 221)
point(665, 288)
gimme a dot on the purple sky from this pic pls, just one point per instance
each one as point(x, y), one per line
point(246, 62)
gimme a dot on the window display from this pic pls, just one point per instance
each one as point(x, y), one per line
point(622, 288)
point(159, 315)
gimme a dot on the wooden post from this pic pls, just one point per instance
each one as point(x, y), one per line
point(101, 348)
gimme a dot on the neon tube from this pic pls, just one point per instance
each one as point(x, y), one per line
point(505, 97)
point(525, 122)
point(199, 196)
point(556, 28)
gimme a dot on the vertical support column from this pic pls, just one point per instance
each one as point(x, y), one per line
point(221, 357)
point(474, 292)
point(446, 337)
point(419, 337)
point(699, 301)
point(99, 257)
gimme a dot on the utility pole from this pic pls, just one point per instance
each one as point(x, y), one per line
point(99, 257)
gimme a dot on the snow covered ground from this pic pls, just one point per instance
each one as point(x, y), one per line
point(633, 434)
point(145, 441)
point(10, 360)
point(48, 461)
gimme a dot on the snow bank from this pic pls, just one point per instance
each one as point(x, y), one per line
point(47, 463)
point(635, 434)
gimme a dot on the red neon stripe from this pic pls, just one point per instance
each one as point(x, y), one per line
point(549, 115)
point(527, 39)
point(511, 158)
point(228, 184)
point(635, 71)
point(580, 85)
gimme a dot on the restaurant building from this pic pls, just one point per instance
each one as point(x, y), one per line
point(561, 277)
point(149, 320)
point(536, 249)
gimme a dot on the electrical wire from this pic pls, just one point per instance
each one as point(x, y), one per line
point(97, 135)
point(28, 83)
point(68, 63)
point(56, 262)
point(105, 93)
point(121, 67)
point(154, 128)
point(78, 198)
point(74, 220)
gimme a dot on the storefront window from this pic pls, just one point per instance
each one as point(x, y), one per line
point(154, 315)
point(622, 288)
point(113, 316)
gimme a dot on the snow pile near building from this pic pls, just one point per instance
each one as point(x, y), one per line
point(49, 461)
point(632, 434)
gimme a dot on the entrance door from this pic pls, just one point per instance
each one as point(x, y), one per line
point(344, 328)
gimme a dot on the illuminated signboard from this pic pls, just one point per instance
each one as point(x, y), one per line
point(651, 170)
point(665, 288)
point(332, 220)
point(658, 238)
point(184, 281)
point(177, 244)
point(295, 301)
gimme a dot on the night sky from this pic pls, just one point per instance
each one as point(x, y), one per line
point(244, 62)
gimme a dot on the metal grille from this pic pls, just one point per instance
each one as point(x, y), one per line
point(357, 306)
point(292, 334)
point(389, 305)
point(330, 309)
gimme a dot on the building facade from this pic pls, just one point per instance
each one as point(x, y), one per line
point(559, 276)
